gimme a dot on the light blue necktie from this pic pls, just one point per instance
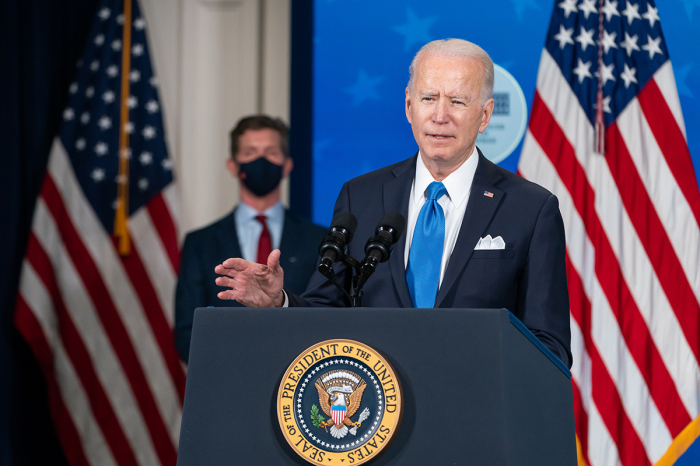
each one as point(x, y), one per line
point(425, 258)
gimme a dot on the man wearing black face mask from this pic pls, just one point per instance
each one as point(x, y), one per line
point(257, 226)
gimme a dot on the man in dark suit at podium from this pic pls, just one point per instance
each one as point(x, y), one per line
point(259, 224)
point(477, 235)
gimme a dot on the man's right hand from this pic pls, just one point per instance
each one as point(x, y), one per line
point(252, 284)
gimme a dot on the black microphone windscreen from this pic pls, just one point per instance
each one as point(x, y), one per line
point(347, 221)
point(394, 220)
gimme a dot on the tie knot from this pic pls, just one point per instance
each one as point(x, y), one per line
point(261, 219)
point(436, 190)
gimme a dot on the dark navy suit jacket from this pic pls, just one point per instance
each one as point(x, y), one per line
point(204, 249)
point(528, 277)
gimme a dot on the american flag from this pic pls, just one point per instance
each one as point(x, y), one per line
point(631, 207)
point(96, 306)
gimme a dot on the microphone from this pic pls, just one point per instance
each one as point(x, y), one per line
point(332, 248)
point(378, 247)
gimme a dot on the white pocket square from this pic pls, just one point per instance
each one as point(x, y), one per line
point(490, 243)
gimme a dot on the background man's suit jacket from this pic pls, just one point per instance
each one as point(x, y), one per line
point(528, 277)
point(206, 248)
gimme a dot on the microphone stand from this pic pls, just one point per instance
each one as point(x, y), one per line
point(354, 296)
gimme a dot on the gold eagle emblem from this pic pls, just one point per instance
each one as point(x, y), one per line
point(340, 395)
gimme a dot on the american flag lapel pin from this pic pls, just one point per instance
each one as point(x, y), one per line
point(488, 194)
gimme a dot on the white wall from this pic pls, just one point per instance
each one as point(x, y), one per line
point(216, 61)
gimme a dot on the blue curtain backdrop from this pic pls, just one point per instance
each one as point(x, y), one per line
point(40, 41)
point(361, 53)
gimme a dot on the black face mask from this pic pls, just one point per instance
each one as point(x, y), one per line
point(261, 176)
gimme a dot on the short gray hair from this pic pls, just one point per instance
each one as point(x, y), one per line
point(457, 48)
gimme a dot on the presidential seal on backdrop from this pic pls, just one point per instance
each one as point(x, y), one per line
point(508, 120)
point(339, 402)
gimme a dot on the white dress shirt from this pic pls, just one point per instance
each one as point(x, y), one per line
point(454, 203)
point(248, 228)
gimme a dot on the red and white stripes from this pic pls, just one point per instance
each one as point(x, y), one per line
point(101, 324)
point(633, 263)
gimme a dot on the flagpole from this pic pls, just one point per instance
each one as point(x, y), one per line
point(121, 226)
point(600, 107)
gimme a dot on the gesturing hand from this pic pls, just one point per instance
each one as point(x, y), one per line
point(252, 284)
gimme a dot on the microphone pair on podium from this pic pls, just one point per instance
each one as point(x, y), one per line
point(334, 247)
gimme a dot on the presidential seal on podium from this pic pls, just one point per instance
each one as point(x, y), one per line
point(339, 401)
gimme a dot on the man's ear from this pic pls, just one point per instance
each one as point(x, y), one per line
point(232, 167)
point(287, 167)
point(486, 116)
point(408, 106)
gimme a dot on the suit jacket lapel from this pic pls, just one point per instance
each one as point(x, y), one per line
point(480, 210)
point(397, 193)
point(288, 240)
point(227, 236)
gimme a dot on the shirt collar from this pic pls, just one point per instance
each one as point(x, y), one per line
point(246, 213)
point(457, 183)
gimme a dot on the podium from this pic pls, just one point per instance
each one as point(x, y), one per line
point(478, 387)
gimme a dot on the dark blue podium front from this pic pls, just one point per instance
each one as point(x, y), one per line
point(478, 388)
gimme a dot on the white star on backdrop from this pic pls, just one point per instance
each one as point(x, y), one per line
point(135, 76)
point(143, 184)
point(99, 39)
point(628, 76)
point(68, 114)
point(521, 5)
point(149, 132)
point(116, 45)
point(129, 127)
point(85, 118)
point(112, 71)
point(73, 88)
point(103, 13)
point(137, 50)
point(415, 30)
point(630, 43)
point(89, 92)
point(564, 36)
point(139, 24)
point(80, 144)
point(120, 19)
point(95, 65)
point(364, 88)
point(652, 46)
point(132, 101)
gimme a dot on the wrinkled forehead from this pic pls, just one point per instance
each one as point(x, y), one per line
point(448, 74)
